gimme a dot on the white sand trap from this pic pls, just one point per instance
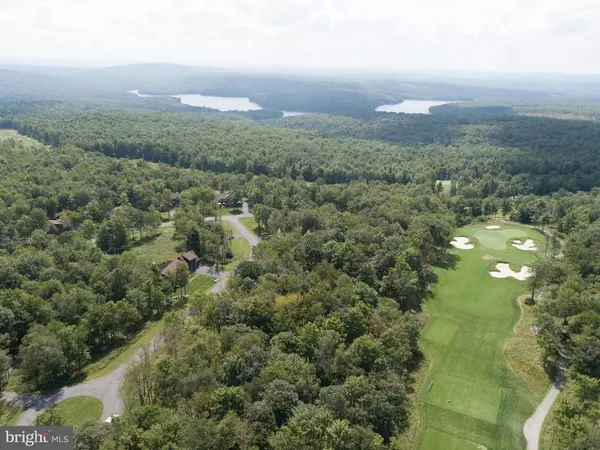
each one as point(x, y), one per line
point(504, 271)
point(493, 227)
point(462, 243)
point(528, 246)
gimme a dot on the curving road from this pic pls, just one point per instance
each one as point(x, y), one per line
point(107, 389)
point(533, 426)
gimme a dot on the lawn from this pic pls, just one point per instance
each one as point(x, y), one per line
point(78, 410)
point(251, 224)
point(235, 211)
point(157, 249)
point(241, 251)
point(472, 396)
point(200, 283)
point(239, 246)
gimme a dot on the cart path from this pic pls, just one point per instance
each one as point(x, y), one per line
point(533, 426)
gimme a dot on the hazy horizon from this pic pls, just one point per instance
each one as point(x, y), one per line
point(466, 36)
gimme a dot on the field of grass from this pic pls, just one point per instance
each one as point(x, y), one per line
point(446, 185)
point(14, 134)
point(9, 413)
point(251, 224)
point(472, 397)
point(200, 283)
point(241, 251)
point(78, 410)
point(235, 211)
point(157, 249)
point(239, 246)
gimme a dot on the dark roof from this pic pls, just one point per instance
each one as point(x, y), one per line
point(190, 256)
point(171, 266)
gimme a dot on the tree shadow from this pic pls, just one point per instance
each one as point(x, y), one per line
point(450, 261)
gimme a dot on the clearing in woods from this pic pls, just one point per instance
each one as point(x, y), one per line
point(472, 398)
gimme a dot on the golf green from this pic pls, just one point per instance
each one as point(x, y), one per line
point(471, 398)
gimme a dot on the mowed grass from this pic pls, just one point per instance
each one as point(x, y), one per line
point(157, 249)
point(78, 410)
point(251, 225)
point(239, 246)
point(434, 439)
point(472, 396)
point(200, 283)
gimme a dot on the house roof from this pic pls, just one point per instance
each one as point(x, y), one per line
point(171, 266)
point(222, 195)
point(190, 256)
point(175, 196)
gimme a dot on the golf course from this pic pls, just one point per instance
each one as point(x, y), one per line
point(472, 398)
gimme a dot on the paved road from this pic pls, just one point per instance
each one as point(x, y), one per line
point(107, 388)
point(533, 426)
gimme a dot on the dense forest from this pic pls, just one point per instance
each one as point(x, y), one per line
point(522, 154)
point(315, 342)
point(66, 298)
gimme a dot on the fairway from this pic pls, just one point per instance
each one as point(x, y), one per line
point(471, 396)
point(456, 394)
point(434, 439)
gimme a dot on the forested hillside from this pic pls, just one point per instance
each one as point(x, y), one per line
point(67, 298)
point(522, 155)
point(316, 340)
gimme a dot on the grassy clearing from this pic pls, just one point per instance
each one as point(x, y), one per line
point(471, 395)
point(251, 225)
point(200, 283)
point(157, 249)
point(78, 410)
point(19, 138)
point(9, 413)
point(446, 185)
point(241, 251)
point(239, 246)
point(235, 211)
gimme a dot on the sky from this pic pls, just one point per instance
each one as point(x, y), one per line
point(550, 36)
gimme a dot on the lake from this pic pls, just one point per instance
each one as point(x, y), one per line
point(220, 103)
point(412, 106)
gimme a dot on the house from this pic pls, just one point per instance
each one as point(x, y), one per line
point(189, 258)
point(223, 198)
point(175, 199)
point(57, 226)
point(170, 266)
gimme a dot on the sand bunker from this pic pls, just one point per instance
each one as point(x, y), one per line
point(462, 243)
point(493, 227)
point(504, 271)
point(528, 246)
